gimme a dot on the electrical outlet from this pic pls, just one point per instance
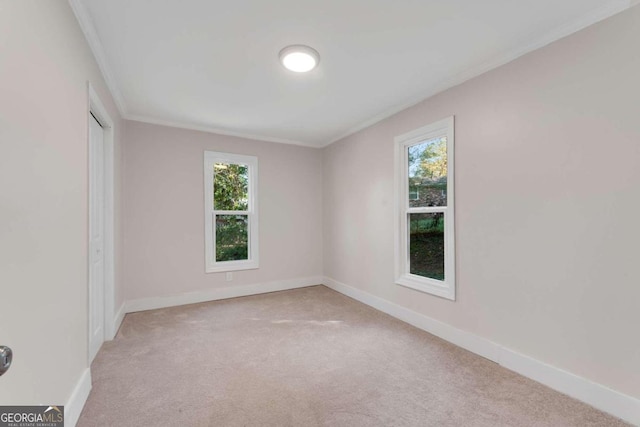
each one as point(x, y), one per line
point(229, 277)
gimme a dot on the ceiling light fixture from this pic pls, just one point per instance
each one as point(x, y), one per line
point(299, 58)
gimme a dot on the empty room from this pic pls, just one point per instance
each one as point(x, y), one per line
point(319, 213)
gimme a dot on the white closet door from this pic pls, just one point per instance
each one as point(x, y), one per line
point(96, 237)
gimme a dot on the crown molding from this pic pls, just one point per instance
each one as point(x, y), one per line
point(211, 129)
point(605, 11)
point(601, 13)
point(86, 24)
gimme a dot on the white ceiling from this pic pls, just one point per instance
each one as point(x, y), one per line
point(213, 64)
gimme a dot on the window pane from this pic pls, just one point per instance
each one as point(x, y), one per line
point(428, 173)
point(230, 187)
point(426, 245)
point(232, 236)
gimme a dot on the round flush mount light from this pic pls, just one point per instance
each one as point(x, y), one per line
point(299, 58)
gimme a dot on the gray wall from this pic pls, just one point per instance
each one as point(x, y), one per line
point(45, 64)
point(547, 178)
point(164, 211)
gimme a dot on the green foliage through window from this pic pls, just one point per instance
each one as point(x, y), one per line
point(230, 187)
point(428, 159)
point(426, 245)
point(231, 193)
point(427, 162)
point(232, 237)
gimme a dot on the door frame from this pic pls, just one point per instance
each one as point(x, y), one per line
point(96, 107)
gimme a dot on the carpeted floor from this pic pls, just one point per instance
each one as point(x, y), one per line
point(307, 357)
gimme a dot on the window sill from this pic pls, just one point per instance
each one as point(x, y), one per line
point(222, 267)
point(429, 286)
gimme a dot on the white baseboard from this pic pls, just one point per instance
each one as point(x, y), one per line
point(458, 337)
point(73, 407)
point(153, 303)
point(117, 321)
point(594, 394)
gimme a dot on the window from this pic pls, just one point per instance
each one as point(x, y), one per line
point(230, 211)
point(425, 253)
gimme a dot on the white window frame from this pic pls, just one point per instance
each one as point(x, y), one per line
point(213, 266)
point(442, 288)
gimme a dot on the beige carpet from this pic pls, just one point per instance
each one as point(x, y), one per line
point(306, 357)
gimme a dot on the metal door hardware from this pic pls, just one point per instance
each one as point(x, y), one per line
point(6, 355)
